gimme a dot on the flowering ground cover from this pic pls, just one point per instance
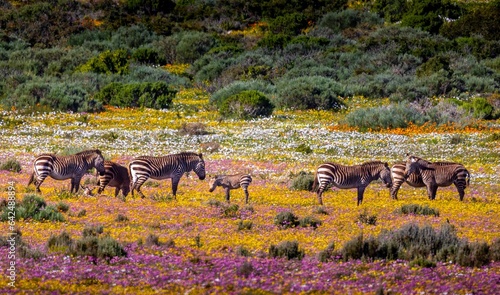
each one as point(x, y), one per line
point(200, 245)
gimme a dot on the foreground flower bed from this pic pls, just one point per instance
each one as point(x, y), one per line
point(197, 244)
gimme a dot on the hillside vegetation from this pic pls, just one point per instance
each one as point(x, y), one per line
point(436, 60)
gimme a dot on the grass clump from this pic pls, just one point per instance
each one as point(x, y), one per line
point(62, 207)
point(121, 218)
point(229, 211)
point(193, 129)
point(302, 181)
point(33, 207)
point(327, 254)
point(422, 246)
point(90, 244)
point(245, 225)
point(310, 221)
point(12, 165)
point(418, 210)
point(286, 219)
point(365, 218)
point(286, 249)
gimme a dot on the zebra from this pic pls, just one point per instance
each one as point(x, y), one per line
point(345, 177)
point(414, 179)
point(115, 175)
point(170, 166)
point(229, 182)
point(64, 167)
point(436, 175)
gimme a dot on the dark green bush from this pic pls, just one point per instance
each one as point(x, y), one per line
point(348, 18)
point(156, 95)
point(418, 209)
point(247, 104)
point(62, 207)
point(148, 56)
point(286, 249)
point(310, 93)
point(434, 65)
point(92, 230)
point(286, 219)
point(60, 243)
point(428, 14)
point(230, 211)
point(302, 181)
point(245, 225)
point(274, 41)
point(365, 218)
point(11, 165)
point(290, 24)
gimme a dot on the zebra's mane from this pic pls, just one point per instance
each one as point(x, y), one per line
point(190, 154)
point(374, 163)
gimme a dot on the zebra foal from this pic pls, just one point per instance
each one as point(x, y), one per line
point(229, 182)
point(436, 175)
point(345, 177)
point(170, 166)
point(64, 167)
point(115, 175)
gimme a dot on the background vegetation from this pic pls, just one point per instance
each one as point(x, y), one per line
point(436, 60)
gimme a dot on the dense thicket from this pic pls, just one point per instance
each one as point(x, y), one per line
point(69, 54)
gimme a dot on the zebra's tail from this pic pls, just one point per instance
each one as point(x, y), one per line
point(315, 183)
point(32, 178)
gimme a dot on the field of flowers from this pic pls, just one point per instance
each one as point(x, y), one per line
point(201, 246)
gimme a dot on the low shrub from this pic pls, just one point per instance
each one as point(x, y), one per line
point(229, 211)
point(245, 225)
point(286, 249)
point(320, 210)
point(314, 92)
point(422, 245)
point(153, 240)
point(310, 221)
point(365, 218)
point(11, 165)
point(242, 251)
point(384, 117)
point(121, 218)
point(238, 86)
point(303, 181)
point(418, 209)
point(247, 104)
point(327, 254)
point(286, 219)
point(245, 269)
point(33, 207)
point(193, 129)
point(156, 95)
point(107, 62)
point(62, 207)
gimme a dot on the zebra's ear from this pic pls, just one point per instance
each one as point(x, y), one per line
point(200, 155)
point(413, 159)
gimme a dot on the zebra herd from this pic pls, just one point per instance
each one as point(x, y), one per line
point(416, 172)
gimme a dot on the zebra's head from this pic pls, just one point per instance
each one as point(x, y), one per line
point(414, 164)
point(199, 167)
point(214, 182)
point(385, 175)
point(99, 162)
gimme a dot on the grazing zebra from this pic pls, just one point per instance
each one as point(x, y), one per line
point(170, 166)
point(414, 179)
point(436, 175)
point(64, 167)
point(344, 177)
point(115, 175)
point(229, 182)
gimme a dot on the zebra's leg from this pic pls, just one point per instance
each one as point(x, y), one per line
point(319, 195)
point(431, 191)
point(227, 194)
point(137, 186)
point(245, 189)
point(175, 184)
point(102, 185)
point(394, 190)
point(117, 190)
point(75, 184)
point(461, 190)
point(361, 191)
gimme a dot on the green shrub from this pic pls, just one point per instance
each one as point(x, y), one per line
point(49, 213)
point(310, 221)
point(365, 218)
point(480, 108)
point(286, 249)
point(348, 18)
point(274, 41)
point(242, 251)
point(60, 243)
point(384, 117)
point(153, 240)
point(239, 86)
point(92, 230)
point(246, 105)
point(157, 95)
point(418, 209)
point(434, 65)
point(245, 225)
point(327, 254)
point(230, 211)
point(286, 219)
point(302, 181)
point(121, 218)
point(33, 207)
point(191, 45)
point(107, 62)
point(11, 165)
point(149, 56)
point(310, 93)
point(62, 207)
point(290, 24)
